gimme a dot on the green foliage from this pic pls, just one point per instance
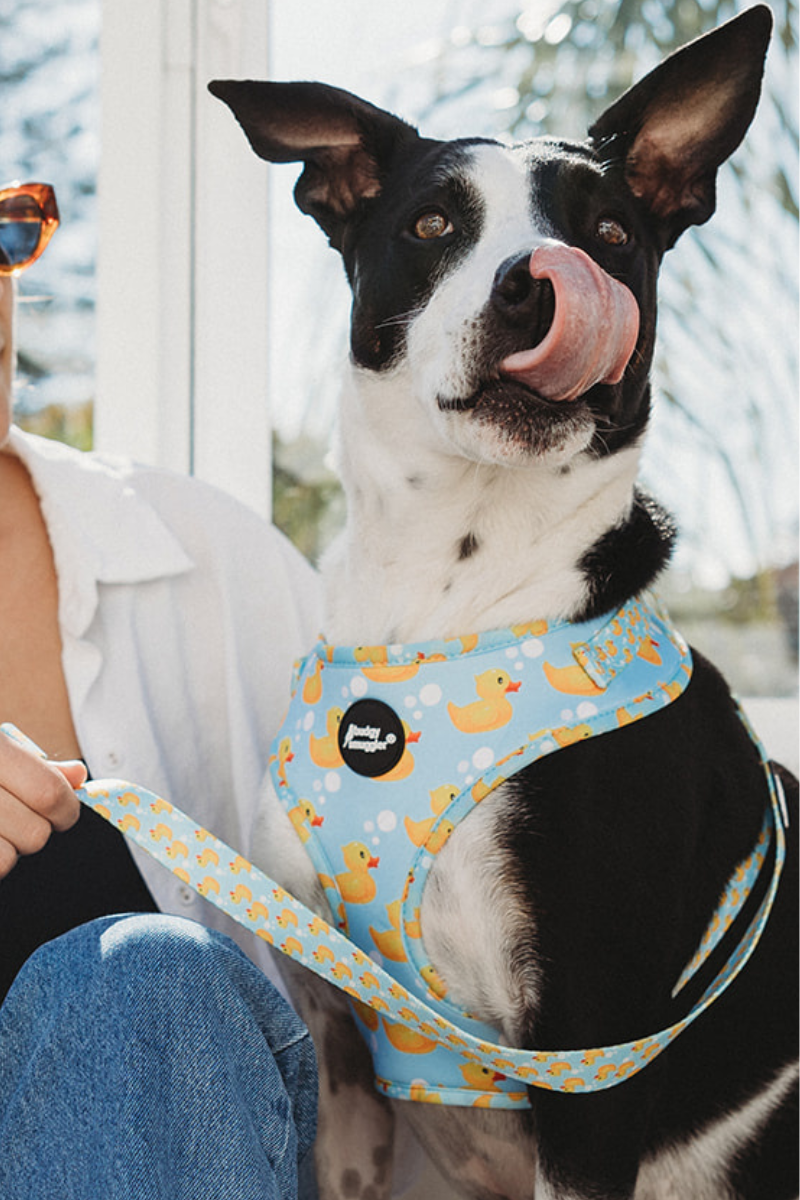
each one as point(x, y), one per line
point(307, 499)
point(70, 423)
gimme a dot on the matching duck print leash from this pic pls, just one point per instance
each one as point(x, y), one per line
point(260, 904)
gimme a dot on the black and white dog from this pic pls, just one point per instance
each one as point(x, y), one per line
point(481, 494)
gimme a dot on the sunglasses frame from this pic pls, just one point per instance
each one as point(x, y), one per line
point(44, 196)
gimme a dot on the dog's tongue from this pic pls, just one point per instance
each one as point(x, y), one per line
point(593, 333)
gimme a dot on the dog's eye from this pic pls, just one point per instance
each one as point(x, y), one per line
point(432, 225)
point(612, 232)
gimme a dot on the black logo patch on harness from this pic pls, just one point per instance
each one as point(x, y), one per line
point(371, 738)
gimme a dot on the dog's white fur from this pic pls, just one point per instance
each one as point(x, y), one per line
point(413, 493)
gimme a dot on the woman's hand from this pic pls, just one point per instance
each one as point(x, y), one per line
point(36, 797)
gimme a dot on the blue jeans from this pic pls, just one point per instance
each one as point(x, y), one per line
point(146, 1058)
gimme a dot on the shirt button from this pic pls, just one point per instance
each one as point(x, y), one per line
point(112, 760)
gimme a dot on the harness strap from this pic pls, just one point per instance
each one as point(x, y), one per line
point(261, 905)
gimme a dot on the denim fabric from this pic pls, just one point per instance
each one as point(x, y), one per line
point(145, 1056)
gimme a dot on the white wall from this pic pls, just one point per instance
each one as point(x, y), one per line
point(182, 264)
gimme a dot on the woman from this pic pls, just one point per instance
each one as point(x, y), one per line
point(148, 625)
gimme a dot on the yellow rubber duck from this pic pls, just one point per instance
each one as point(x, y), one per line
point(492, 711)
point(304, 812)
point(324, 750)
point(468, 642)
point(390, 941)
point(434, 980)
point(407, 1040)
point(484, 1078)
point(440, 797)
point(439, 837)
point(376, 655)
point(392, 673)
point(566, 736)
point(413, 927)
point(572, 680)
point(356, 885)
point(405, 766)
point(648, 650)
point(312, 688)
point(531, 629)
point(367, 1014)
point(285, 755)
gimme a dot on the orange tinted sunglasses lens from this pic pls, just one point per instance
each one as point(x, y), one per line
point(28, 219)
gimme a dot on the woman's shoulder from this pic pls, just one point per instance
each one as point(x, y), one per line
point(110, 497)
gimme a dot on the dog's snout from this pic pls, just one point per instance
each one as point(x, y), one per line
point(520, 300)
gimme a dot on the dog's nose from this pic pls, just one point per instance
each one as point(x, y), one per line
point(520, 300)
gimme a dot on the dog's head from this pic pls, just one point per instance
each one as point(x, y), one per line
point(512, 289)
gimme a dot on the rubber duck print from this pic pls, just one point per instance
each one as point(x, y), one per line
point(568, 735)
point(312, 688)
point(285, 755)
point(366, 1014)
point(440, 797)
point(533, 629)
point(407, 1040)
point(376, 656)
point(468, 642)
point(572, 680)
point(304, 817)
point(390, 941)
point(378, 667)
point(434, 980)
point(483, 1078)
point(406, 764)
point(648, 650)
point(439, 836)
point(492, 711)
point(356, 885)
point(324, 750)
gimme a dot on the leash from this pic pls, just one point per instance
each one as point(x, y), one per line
point(260, 904)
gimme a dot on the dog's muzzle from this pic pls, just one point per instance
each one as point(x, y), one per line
point(592, 331)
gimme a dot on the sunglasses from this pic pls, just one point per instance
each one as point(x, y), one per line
point(28, 219)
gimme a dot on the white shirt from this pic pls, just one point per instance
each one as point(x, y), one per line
point(181, 613)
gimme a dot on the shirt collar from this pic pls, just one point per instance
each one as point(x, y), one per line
point(101, 528)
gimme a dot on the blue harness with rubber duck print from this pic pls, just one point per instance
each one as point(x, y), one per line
point(386, 749)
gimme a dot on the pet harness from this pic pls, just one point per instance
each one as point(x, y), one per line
point(385, 750)
point(595, 677)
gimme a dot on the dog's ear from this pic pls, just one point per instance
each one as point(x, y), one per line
point(345, 143)
point(674, 128)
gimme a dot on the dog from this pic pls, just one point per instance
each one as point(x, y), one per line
point(503, 320)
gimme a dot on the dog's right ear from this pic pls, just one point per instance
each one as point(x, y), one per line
point(346, 144)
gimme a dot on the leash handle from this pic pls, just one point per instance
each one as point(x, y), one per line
point(263, 906)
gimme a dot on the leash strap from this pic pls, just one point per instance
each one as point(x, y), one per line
point(260, 904)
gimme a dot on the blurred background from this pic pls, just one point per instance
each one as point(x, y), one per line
point(723, 449)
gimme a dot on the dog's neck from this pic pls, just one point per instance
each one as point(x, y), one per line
point(438, 546)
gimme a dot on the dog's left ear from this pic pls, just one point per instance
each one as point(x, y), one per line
point(346, 144)
point(675, 128)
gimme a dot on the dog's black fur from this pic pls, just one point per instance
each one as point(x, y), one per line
point(618, 848)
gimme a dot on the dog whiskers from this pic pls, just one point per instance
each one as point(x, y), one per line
point(404, 319)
